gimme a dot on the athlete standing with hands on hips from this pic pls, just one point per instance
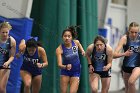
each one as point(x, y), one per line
point(99, 56)
point(7, 52)
point(68, 60)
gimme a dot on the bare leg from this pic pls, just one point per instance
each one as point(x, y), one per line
point(105, 84)
point(131, 82)
point(74, 83)
point(64, 83)
point(4, 75)
point(36, 84)
point(27, 79)
point(125, 78)
point(94, 78)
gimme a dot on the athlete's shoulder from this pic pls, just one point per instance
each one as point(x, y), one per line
point(59, 49)
point(12, 39)
point(109, 49)
point(89, 49)
point(124, 37)
point(76, 42)
point(91, 46)
point(40, 48)
point(108, 46)
point(41, 51)
point(123, 40)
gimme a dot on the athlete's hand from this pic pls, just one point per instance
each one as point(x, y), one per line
point(18, 55)
point(91, 69)
point(68, 66)
point(39, 65)
point(6, 65)
point(83, 53)
point(128, 52)
point(106, 68)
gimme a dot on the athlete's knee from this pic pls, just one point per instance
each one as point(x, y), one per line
point(131, 82)
point(63, 91)
point(2, 89)
point(27, 85)
point(73, 91)
point(105, 90)
point(94, 90)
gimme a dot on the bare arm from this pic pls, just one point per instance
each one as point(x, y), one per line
point(22, 46)
point(59, 58)
point(42, 54)
point(80, 47)
point(109, 57)
point(12, 52)
point(117, 52)
point(89, 52)
point(88, 56)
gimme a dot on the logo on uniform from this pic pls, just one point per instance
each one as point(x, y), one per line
point(135, 49)
point(101, 57)
point(3, 51)
point(74, 49)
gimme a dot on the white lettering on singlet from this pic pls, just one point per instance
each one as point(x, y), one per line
point(102, 57)
point(3, 51)
point(34, 61)
point(70, 55)
point(136, 49)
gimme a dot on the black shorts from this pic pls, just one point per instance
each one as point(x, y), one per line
point(128, 69)
point(1, 67)
point(103, 74)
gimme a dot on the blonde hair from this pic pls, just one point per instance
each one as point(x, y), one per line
point(133, 24)
point(5, 25)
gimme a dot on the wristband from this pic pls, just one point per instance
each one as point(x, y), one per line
point(66, 67)
point(42, 65)
point(89, 65)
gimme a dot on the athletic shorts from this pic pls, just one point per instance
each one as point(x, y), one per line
point(128, 69)
point(1, 67)
point(33, 71)
point(103, 74)
point(70, 73)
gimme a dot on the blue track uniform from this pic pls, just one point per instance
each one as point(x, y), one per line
point(4, 51)
point(99, 60)
point(29, 63)
point(71, 56)
point(130, 62)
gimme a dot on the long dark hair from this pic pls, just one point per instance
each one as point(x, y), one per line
point(33, 43)
point(101, 38)
point(72, 30)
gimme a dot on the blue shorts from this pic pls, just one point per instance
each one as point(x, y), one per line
point(103, 74)
point(70, 73)
point(34, 71)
